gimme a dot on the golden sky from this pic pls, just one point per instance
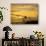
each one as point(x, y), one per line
point(24, 10)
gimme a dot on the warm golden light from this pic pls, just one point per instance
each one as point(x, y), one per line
point(18, 11)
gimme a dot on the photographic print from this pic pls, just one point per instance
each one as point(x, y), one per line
point(24, 13)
